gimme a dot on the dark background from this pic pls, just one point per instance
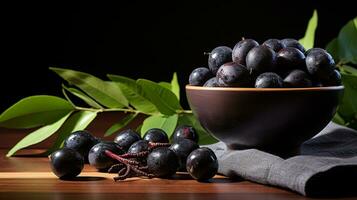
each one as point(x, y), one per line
point(146, 39)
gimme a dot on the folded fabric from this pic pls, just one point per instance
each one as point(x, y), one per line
point(327, 164)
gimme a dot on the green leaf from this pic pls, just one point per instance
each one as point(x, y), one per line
point(122, 123)
point(348, 70)
point(344, 48)
point(38, 136)
point(134, 94)
point(308, 40)
point(191, 120)
point(164, 100)
point(347, 109)
point(338, 119)
point(78, 121)
point(106, 93)
point(348, 105)
point(166, 123)
point(82, 96)
point(35, 111)
point(165, 85)
point(175, 86)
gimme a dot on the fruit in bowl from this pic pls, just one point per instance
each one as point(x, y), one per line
point(274, 102)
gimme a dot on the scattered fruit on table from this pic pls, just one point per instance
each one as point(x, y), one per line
point(129, 155)
point(66, 163)
point(82, 142)
point(126, 138)
point(156, 135)
point(274, 64)
point(202, 164)
point(185, 132)
point(98, 158)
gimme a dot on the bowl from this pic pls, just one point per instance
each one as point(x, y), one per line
point(275, 120)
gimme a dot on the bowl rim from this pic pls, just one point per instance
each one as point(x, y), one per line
point(191, 87)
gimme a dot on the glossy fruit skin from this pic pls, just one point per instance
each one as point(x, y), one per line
point(162, 162)
point(81, 141)
point(269, 80)
point(66, 163)
point(289, 42)
point(333, 80)
point(260, 59)
point(233, 75)
point(199, 76)
point(202, 164)
point(314, 49)
point(99, 159)
point(212, 82)
point(241, 50)
point(320, 64)
point(139, 146)
point(126, 138)
point(156, 135)
point(182, 149)
point(274, 44)
point(290, 58)
point(185, 132)
point(297, 79)
point(218, 57)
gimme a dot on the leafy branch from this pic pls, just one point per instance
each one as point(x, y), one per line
point(158, 101)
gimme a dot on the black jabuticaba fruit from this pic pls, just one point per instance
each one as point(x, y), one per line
point(212, 82)
point(185, 132)
point(126, 138)
point(289, 42)
point(241, 50)
point(269, 80)
point(320, 64)
point(274, 44)
point(260, 59)
point(297, 79)
point(313, 49)
point(233, 75)
point(156, 135)
point(182, 149)
point(333, 80)
point(162, 162)
point(81, 141)
point(202, 164)
point(98, 158)
point(290, 58)
point(218, 57)
point(66, 163)
point(199, 76)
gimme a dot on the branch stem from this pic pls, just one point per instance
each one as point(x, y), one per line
point(125, 110)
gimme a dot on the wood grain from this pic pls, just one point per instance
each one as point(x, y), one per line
point(31, 178)
point(25, 177)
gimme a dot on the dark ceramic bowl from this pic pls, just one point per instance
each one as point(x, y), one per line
point(273, 120)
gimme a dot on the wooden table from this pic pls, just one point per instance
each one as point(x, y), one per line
point(31, 178)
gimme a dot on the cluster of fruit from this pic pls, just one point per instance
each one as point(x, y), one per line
point(274, 64)
point(131, 156)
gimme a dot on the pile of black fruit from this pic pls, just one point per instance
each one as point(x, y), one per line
point(273, 64)
point(129, 155)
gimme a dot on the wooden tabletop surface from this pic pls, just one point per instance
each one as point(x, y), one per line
point(31, 178)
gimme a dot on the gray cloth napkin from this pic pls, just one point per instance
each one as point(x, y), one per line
point(327, 164)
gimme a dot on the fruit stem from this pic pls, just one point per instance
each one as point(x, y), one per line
point(120, 159)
